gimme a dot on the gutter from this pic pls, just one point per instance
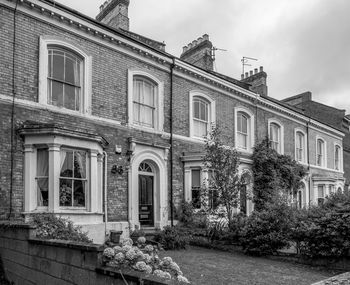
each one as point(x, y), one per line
point(171, 143)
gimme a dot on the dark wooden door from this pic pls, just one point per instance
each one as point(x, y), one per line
point(146, 209)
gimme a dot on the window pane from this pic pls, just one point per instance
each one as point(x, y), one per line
point(203, 111)
point(242, 140)
point(56, 93)
point(42, 167)
point(136, 113)
point(200, 129)
point(137, 90)
point(79, 193)
point(244, 125)
point(239, 122)
point(320, 190)
point(196, 178)
point(146, 116)
point(66, 192)
point(148, 94)
point(58, 65)
point(79, 164)
point(196, 109)
point(43, 191)
point(69, 97)
point(66, 163)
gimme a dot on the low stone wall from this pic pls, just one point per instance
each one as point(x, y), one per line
point(28, 260)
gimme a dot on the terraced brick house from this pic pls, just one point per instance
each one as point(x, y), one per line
point(102, 125)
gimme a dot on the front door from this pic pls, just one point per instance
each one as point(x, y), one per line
point(146, 209)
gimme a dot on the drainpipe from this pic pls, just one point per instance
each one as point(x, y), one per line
point(171, 143)
point(308, 158)
point(105, 191)
point(13, 109)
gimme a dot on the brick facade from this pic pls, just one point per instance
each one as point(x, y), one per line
point(113, 55)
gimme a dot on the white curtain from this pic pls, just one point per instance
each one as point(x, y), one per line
point(42, 176)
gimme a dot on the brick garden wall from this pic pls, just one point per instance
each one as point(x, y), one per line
point(28, 260)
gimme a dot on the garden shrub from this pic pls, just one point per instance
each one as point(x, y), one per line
point(235, 226)
point(172, 238)
point(186, 214)
point(268, 230)
point(217, 229)
point(50, 226)
point(323, 231)
point(144, 258)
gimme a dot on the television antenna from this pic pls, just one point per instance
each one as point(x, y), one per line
point(245, 62)
point(214, 49)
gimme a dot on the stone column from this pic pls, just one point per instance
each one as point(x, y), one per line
point(54, 176)
point(30, 195)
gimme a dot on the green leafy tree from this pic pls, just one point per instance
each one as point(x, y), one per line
point(223, 162)
point(275, 175)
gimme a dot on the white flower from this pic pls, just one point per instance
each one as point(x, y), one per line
point(141, 266)
point(148, 269)
point(147, 258)
point(175, 267)
point(183, 279)
point(127, 241)
point(148, 248)
point(117, 249)
point(141, 240)
point(126, 248)
point(158, 273)
point(119, 257)
point(167, 261)
point(108, 253)
point(130, 255)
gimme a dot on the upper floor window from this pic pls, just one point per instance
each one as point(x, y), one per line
point(64, 79)
point(144, 102)
point(275, 137)
point(200, 117)
point(244, 129)
point(202, 114)
point(64, 75)
point(300, 149)
point(337, 160)
point(320, 152)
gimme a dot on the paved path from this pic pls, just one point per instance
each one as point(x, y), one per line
point(212, 267)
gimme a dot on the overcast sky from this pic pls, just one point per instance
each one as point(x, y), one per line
point(304, 45)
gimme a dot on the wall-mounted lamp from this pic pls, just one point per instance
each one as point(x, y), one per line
point(117, 169)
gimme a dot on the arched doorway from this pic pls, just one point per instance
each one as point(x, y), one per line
point(146, 194)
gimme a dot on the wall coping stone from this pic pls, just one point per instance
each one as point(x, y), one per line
point(16, 224)
point(67, 244)
point(133, 276)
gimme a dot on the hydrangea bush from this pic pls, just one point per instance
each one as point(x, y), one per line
point(144, 258)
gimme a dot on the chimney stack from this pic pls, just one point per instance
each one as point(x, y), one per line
point(199, 53)
point(115, 14)
point(257, 80)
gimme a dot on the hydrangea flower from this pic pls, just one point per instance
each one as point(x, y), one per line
point(183, 279)
point(126, 248)
point(166, 275)
point(141, 240)
point(117, 249)
point(158, 273)
point(108, 253)
point(167, 261)
point(148, 248)
point(147, 258)
point(141, 266)
point(119, 257)
point(127, 241)
point(148, 269)
point(130, 255)
point(173, 266)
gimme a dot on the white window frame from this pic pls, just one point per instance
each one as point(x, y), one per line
point(281, 134)
point(159, 100)
point(211, 112)
point(304, 152)
point(55, 143)
point(324, 158)
point(336, 145)
point(44, 44)
point(251, 130)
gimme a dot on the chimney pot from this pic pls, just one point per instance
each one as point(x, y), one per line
point(261, 69)
point(242, 76)
point(246, 75)
point(189, 45)
point(255, 70)
point(205, 37)
point(250, 72)
point(194, 43)
point(184, 49)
